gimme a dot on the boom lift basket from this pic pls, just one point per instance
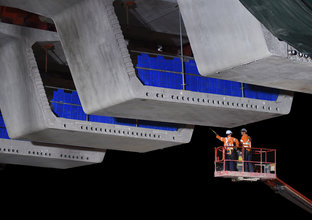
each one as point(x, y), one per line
point(260, 166)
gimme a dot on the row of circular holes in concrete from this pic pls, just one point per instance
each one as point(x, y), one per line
point(119, 131)
point(9, 150)
point(159, 95)
point(74, 157)
point(61, 155)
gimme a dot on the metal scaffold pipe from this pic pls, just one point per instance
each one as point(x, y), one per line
point(181, 48)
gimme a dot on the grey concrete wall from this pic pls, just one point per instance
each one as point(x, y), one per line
point(229, 43)
point(28, 116)
point(50, 156)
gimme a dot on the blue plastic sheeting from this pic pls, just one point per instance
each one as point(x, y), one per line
point(191, 67)
point(67, 105)
point(213, 86)
point(150, 75)
point(1, 121)
point(258, 92)
point(66, 97)
point(102, 119)
point(69, 111)
point(159, 63)
point(3, 131)
point(157, 125)
point(161, 79)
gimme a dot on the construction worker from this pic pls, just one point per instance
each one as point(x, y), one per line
point(245, 142)
point(229, 144)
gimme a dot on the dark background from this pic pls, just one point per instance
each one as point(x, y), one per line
point(175, 182)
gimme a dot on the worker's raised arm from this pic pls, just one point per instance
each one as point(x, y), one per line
point(218, 137)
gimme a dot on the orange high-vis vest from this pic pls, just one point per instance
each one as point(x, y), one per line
point(229, 143)
point(246, 142)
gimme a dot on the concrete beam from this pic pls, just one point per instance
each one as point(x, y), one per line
point(106, 81)
point(28, 115)
point(229, 43)
point(43, 155)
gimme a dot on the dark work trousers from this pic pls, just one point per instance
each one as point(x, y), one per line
point(230, 165)
point(247, 165)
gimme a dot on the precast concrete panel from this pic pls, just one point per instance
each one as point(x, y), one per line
point(106, 81)
point(229, 43)
point(27, 153)
point(28, 116)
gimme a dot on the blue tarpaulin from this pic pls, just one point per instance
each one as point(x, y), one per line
point(258, 92)
point(3, 131)
point(162, 72)
point(159, 71)
point(66, 104)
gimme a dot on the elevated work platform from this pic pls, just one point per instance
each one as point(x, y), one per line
point(229, 43)
point(107, 81)
point(259, 165)
point(253, 164)
point(28, 115)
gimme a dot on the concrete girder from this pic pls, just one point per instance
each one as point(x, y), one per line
point(28, 116)
point(43, 155)
point(106, 81)
point(229, 43)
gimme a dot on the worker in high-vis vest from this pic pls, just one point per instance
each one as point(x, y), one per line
point(245, 142)
point(229, 144)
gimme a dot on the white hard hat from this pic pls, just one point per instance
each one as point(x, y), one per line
point(244, 130)
point(228, 132)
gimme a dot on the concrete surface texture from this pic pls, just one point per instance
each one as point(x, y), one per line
point(229, 43)
point(44, 155)
point(94, 47)
point(28, 116)
point(281, 18)
point(106, 81)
